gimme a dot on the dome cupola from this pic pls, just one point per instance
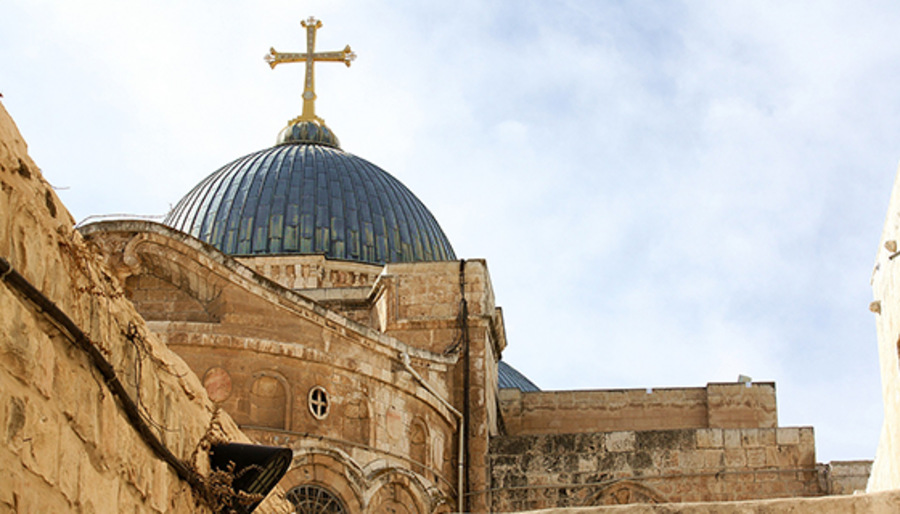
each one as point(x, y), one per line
point(307, 196)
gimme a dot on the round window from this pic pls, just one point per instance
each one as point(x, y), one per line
point(318, 402)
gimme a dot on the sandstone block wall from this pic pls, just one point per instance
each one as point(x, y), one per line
point(715, 406)
point(66, 444)
point(262, 351)
point(846, 477)
point(877, 503)
point(714, 464)
point(312, 271)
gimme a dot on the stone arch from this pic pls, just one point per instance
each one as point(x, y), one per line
point(390, 486)
point(419, 444)
point(624, 493)
point(270, 400)
point(330, 469)
point(151, 270)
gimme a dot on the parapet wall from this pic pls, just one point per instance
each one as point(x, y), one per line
point(713, 406)
point(657, 466)
point(67, 444)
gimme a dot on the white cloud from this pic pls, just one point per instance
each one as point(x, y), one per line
point(666, 195)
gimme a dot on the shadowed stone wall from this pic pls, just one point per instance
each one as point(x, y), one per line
point(658, 466)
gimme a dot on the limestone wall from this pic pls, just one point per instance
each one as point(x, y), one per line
point(67, 445)
point(877, 503)
point(263, 352)
point(715, 406)
point(312, 271)
point(846, 477)
point(542, 471)
point(886, 308)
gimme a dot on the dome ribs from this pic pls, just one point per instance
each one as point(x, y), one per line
point(310, 199)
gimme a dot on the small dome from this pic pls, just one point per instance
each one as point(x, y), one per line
point(307, 131)
point(510, 378)
point(310, 199)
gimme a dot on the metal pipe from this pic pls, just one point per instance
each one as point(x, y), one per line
point(460, 473)
point(467, 357)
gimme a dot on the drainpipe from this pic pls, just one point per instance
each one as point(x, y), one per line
point(461, 423)
point(464, 333)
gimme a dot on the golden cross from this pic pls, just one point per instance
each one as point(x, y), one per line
point(310, 57)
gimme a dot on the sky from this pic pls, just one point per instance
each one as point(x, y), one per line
point(666, 193)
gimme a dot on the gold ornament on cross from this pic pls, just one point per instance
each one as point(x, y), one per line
point(310, 57)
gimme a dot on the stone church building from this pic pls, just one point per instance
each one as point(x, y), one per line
point(323, 309)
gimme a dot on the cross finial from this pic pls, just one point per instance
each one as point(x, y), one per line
point(310, 57)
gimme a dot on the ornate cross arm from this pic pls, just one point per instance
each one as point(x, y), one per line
point(310, 58)
point(275, 58)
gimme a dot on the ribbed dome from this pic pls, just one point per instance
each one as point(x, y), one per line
point(511, 378)
point(310, 199)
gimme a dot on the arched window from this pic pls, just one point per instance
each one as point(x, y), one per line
point(312, 499)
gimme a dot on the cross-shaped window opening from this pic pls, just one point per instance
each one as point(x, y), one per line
point(318, 402)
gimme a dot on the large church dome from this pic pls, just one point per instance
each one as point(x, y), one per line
point(309, 197)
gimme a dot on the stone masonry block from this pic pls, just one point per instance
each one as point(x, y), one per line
point(620, 442)
point(35, 495)
point(691, 460)
point(750, 438)
point(42, 434)
point(756, 457)
point(10, 472)
point(735, 458)
point(807, 436)
point(713, 459)
point(774, 457)
point(710, 438)
point(732, 438)
point(98, 492)
point(767, 436)
point(77, 392)
point(787, 436)
point(587, 463)
point(70, 450)
point(159, 495)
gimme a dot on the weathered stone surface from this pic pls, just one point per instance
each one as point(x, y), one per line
point(542, 471)
point(66, 445)
point(873, 503)
point(715, 406)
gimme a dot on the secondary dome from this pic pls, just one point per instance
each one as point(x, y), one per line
point(310, 199)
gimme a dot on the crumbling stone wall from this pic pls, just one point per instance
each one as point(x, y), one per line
point(658, 466)
point(67, 445)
